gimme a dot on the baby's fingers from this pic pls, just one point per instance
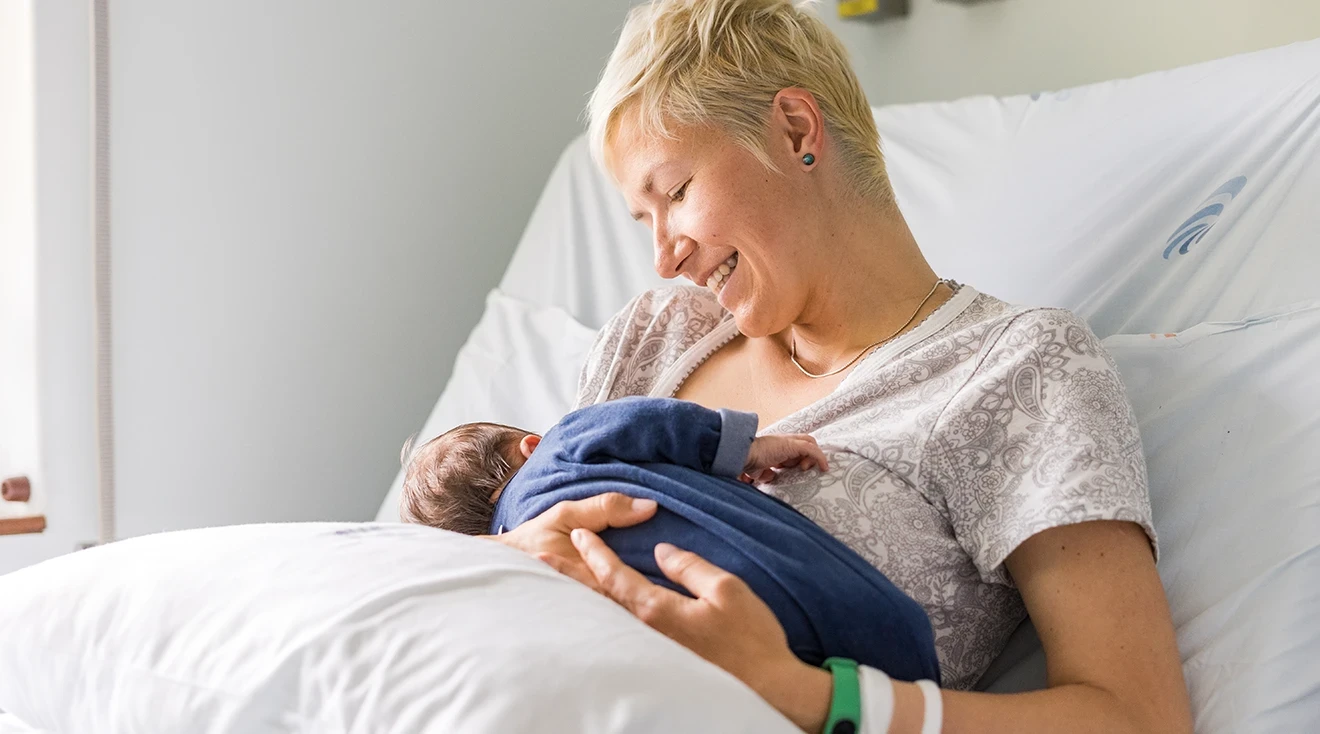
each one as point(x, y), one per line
point(816, 457)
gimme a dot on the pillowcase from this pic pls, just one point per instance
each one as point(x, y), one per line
point(1228, 417)
point(1148, 204)
point(519, 366)
point(336, 627)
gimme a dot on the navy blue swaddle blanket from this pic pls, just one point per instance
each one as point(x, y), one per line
point(830, 601)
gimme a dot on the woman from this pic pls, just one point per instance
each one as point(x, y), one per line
point(983, 455)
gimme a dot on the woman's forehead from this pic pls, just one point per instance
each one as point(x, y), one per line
point(639, 159)
point(634, 158)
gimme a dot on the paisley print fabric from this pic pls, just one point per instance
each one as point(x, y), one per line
point(944, 457)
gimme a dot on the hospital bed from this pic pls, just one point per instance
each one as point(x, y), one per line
point(1178, 212)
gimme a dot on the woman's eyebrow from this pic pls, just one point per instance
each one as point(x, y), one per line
point(648, 187)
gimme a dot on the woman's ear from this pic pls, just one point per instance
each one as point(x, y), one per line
point(797, 121)
point(528, 444)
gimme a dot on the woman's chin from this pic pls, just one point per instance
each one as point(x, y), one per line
point(749, 324)
point(737, 300)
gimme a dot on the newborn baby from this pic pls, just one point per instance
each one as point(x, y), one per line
point(484, 478)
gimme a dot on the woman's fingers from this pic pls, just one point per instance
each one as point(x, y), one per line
point(650, 603)
point(609, 510)
point(704, 579)
point(576, 571)
point(546, 536)
point(727, 623)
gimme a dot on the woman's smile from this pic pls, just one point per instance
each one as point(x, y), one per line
point(720, 276)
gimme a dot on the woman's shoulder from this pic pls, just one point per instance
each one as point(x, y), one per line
point(1008, 333)
point(988, 312)
point(1045, 411)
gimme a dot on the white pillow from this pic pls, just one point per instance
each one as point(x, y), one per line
point(519, 366)
point(1148, 204)
point(331, 627)
point(1230, 419)
point(1228, 416)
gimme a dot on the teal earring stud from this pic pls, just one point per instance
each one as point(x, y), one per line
point(808, 159)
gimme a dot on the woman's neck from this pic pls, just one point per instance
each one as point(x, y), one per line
point(875, 284)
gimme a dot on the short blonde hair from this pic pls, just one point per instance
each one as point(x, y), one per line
point(720, 63)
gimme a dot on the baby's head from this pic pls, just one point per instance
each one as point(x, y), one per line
point(453, 480)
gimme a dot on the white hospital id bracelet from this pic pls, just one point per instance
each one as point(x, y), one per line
point(877, 700)
point(933, 722)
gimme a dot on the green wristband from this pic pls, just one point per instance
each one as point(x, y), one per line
point(846, 702)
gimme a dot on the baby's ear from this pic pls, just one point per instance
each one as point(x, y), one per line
point(528, 444)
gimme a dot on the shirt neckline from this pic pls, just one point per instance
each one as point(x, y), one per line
point(687, 363)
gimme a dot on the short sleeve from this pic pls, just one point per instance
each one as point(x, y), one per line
point(635, 346)
point(1041, 435)
point(602, 359)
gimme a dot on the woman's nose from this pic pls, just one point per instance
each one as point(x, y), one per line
point(670, 252)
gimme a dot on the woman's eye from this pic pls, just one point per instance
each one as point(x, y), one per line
point(678, 195)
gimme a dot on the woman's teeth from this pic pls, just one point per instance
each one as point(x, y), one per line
point(716, 280)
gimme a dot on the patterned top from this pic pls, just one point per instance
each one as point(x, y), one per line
point(948, 446)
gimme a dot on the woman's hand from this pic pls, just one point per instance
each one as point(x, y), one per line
point(546, 536)
point(726, 624)
point(782, 451)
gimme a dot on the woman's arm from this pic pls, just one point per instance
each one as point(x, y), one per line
point(1091, 589)
point(1112, 661)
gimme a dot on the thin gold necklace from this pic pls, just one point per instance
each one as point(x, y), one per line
point(793, 352)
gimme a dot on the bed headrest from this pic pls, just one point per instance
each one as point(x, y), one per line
point(1146, 205)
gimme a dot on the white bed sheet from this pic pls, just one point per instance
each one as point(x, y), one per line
point(9, 724)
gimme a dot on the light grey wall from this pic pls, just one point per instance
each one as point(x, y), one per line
point(945, 50)
point(310, 199)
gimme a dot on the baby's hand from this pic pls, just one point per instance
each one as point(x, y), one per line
point(781, 451)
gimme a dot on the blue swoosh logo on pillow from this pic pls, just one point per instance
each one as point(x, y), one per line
point(1198, 225)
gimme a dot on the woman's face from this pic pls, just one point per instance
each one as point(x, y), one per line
point(711, 206)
